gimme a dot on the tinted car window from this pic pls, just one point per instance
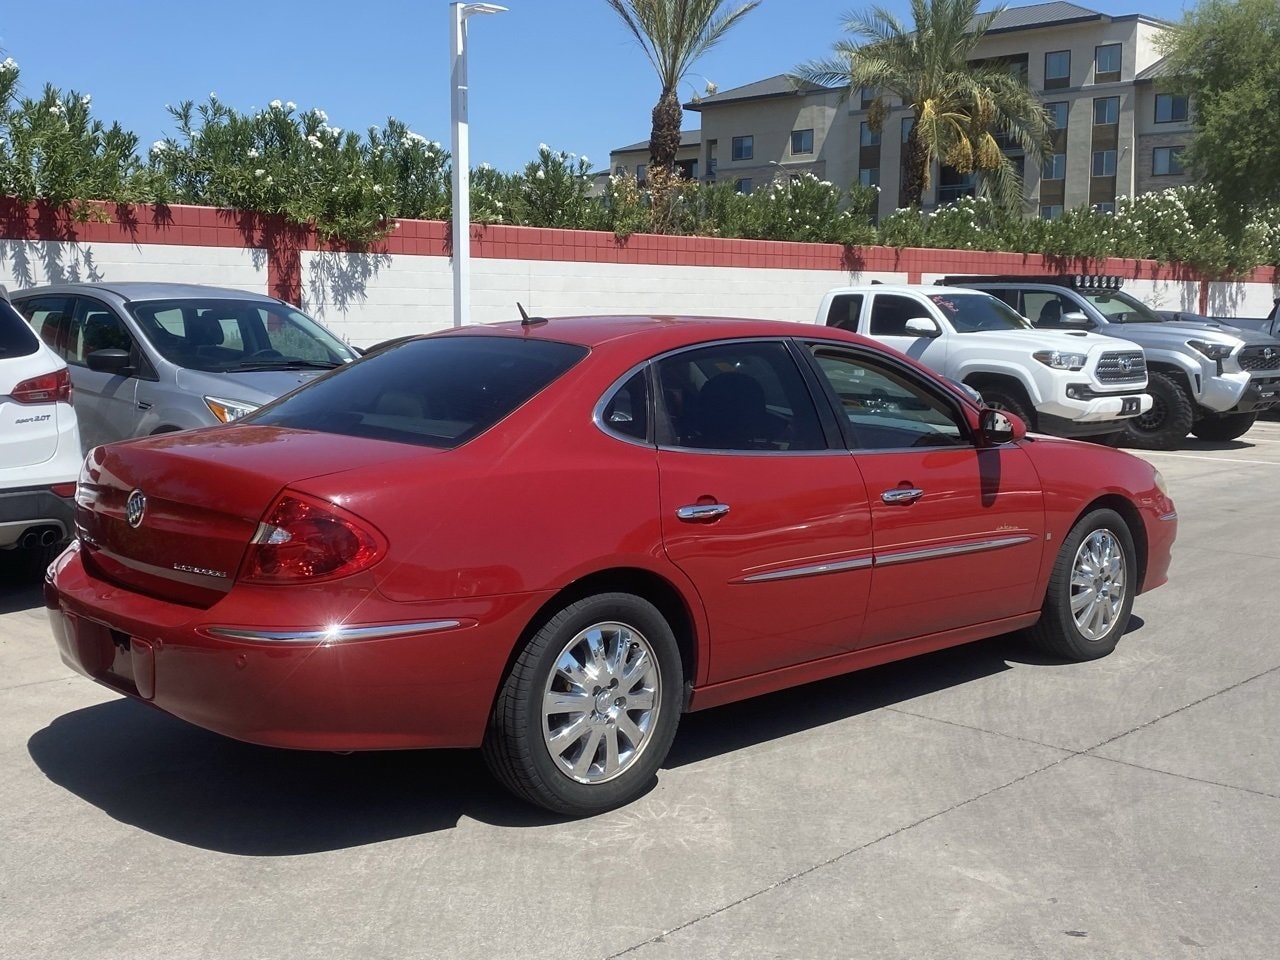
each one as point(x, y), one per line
point(627, 411)
point(437, 391)
point(737, 396)
point(1119, 307)
point(885, 407)
point(16, 338)
point(217, 335)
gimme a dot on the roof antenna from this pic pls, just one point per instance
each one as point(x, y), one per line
point(526, 320)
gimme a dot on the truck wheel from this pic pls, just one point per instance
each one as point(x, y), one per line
point(1168, 421)
point(1001, 398)
point(1229, 426)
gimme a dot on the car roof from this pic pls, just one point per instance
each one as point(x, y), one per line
point(132, 290)
point(660, 332)
point(925, 288)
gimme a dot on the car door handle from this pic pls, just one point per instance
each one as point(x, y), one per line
point(703, 511)
point(902, 495)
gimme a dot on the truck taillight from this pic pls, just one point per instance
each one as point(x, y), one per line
point(47, 388)
point(303, 539)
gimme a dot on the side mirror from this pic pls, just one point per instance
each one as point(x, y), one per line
point(1076, 319)
point(921, 327)
point(109, 361)
point(1000, 426)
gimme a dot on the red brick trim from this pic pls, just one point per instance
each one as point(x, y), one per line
point(283, 244)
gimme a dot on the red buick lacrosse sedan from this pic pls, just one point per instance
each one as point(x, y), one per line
point(550, 539)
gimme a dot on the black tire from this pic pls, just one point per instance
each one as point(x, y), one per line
point(517, 744)
point(1227, 426)
point(1100, 535)
point(1169, 420)
point(1003, 398)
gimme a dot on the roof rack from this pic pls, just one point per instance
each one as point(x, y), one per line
point(1079, 281)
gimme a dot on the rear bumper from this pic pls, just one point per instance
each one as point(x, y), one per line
point(285, 684)
point(34, 509)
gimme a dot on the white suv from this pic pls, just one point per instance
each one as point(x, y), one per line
point(39, 442)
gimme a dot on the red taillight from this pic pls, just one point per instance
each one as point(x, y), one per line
point(67, 490)
point(46, 388)
point(302, 538)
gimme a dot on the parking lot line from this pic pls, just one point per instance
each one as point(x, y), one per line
point(1191, 456)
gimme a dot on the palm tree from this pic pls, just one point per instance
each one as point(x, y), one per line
point(673, 35)
point(959, 107)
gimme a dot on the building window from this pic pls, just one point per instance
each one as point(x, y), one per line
point(1057, 69)
point(743, 148)
point(869, 176)
point(1106, 110)
point(742, 185)
point(801, 141)
point(868, 137)
point(1058, 114)
point(867, 96)
point(1166, 161)
point(619, 170)
point(1104, 163)
point(1170, 108)
point(1108, 206)
point(1055, 167)
point(907, 124)
point(1050, 211)
point(640, 171)
point(1106, 58)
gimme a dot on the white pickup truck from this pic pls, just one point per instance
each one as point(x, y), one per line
point(1065, 383)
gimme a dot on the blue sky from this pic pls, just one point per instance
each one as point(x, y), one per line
point(561, 72)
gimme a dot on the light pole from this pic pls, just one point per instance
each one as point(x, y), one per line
point(462, 160)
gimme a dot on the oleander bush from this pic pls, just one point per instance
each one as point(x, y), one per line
point(352, 187)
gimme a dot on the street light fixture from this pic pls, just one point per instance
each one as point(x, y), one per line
point(462, 160)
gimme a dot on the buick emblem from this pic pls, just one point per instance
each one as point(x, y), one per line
point(135, 507)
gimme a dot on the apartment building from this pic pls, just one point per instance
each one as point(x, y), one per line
point(1117, 132)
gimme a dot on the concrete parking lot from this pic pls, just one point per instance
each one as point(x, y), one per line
point(983, 802)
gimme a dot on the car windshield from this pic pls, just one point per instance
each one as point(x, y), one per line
point(1119, 307)
point(435, 392)
point(972, 312)
point(222, 335)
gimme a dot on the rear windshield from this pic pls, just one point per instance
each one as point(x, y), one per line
point(16, 337)
point(220, 335)
point(436, 392)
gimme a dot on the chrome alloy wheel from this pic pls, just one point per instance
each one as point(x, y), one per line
point(601, 702)
point(1097, 584)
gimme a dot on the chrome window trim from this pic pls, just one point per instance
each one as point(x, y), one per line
point(956, 549)
point(339, 634)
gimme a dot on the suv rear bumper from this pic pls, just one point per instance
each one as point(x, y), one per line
point(35, 510)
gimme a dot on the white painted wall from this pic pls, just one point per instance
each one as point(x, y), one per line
point(29, 263)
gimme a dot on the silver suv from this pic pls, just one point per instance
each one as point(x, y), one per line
point(149, 358)
point(1208, 379)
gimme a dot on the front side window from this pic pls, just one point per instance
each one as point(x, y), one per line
point(1058, 112)
point(887, 408)
point(1057, 68)
point(433, 392)
point(868, 137)
point(96, 327)
point(1106, 58)
point(743, 148)
point(741, 396)
point(1106, 110)
point(1104, 163)
point(1166, 161)
point(1118, 307)
point(221, 335)
point(801, 141)
point(1170, 108)
point(1055, 167)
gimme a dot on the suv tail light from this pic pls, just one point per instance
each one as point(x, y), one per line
point(303, 539)
point(47, 388)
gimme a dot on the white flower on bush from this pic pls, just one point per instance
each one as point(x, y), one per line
point(540, 175)
point(253, 153)
point(315, 141)
point(86, 100)
point(9, 65)
point(275, 104)
point(56, 109)
point(377, 188)
point(159, 147)
point(320, 115)
point(291, 105)
point(259, 172)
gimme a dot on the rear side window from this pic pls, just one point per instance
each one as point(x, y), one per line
point(435, 392)
point(16, 338)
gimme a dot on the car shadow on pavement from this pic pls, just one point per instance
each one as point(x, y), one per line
point(145, 768)
point(21, 583)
